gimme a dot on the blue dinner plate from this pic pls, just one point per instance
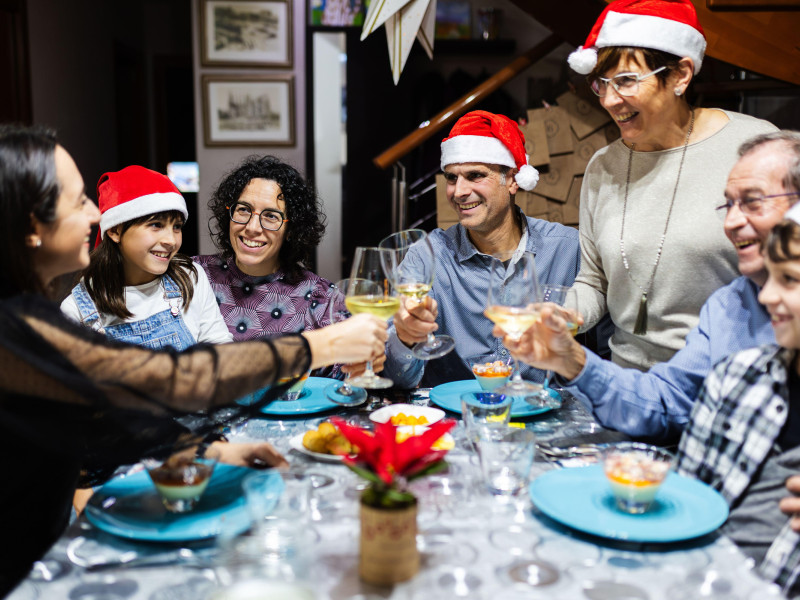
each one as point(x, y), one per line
point(130, 507)
point(312, 400)
point(581, 498)
point(448, 396)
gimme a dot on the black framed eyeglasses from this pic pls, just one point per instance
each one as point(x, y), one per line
point(751, 205)
point(271, 220)
point(626, 84)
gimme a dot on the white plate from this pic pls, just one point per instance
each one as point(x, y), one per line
point(383, 415)
point(296, 443)
point(447, 440)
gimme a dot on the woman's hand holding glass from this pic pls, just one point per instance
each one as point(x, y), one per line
point(361, 338)
point(409, 261)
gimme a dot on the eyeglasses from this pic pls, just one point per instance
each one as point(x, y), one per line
point(751, 205)
point(271, 220)
point(626, 84)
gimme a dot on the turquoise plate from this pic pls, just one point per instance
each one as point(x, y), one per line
point(581, 498)
point(312, 400)
point(130, 507)
point(448, 396)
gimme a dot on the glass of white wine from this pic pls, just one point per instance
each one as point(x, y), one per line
point(370, 291)
point(341, 392)
point(410, 264)
point(512, 304)
point(562, 296)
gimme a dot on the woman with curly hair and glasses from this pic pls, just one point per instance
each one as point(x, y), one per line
point(266, 222)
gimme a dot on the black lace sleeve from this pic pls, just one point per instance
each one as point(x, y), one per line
point(69, 386)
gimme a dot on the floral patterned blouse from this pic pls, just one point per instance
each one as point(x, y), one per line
point(257, 306)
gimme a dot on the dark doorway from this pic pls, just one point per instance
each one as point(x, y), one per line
point(15, 93)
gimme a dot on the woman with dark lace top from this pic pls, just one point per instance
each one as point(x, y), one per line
point(74, 405)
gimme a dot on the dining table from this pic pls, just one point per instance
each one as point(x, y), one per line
point(558, 539)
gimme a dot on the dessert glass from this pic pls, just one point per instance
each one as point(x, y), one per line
point(182, 478)
point(635, 472)
point(491, 375)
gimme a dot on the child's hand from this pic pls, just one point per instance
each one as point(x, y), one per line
point(258, 455)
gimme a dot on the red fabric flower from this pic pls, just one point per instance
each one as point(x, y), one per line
point(382, 454)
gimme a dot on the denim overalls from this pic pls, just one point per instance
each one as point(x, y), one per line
point(161, 330)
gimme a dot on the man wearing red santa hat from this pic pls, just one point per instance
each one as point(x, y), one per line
point(484, 164)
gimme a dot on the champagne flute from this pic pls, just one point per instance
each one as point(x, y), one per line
point(512, 305)
point(341, 392)
point(562, 296)
point(409, 263)
point(369, 292)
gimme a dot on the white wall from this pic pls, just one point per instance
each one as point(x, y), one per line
point(329, 79)
point(214, 161)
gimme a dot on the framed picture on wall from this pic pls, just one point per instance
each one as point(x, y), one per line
point(248, 110)
point(246, 33)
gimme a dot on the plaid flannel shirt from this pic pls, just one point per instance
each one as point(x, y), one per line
point(735, 422)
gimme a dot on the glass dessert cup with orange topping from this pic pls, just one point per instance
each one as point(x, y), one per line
point(635, 472)
point(491, 375)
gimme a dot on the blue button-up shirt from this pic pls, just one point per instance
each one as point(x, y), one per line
point(657, 404)
point(460, 288)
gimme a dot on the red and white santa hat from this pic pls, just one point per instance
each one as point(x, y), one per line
point(484, 137)
point(666, 25)
point(135, 192)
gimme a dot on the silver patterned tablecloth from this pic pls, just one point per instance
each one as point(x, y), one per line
point(473, 545)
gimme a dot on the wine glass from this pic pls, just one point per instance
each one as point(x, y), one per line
point(369, 291)
point(341, 392)
point(409, 263)
point(512, 305)
point(562, 296)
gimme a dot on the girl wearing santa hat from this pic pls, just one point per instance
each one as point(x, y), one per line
point(652, 250)
point(137, 288)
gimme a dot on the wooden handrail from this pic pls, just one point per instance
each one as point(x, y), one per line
point(390, 156)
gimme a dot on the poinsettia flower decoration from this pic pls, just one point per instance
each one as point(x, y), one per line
point(390, 464)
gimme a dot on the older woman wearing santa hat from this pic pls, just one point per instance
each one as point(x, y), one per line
point(652, 249)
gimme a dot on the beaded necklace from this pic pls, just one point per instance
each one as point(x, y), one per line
point(640, 327)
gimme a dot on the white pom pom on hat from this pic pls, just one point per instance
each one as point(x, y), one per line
point(667, 25)
point(583, 60)
point(484, 137)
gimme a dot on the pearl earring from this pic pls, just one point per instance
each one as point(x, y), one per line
point(38, 243)
point(678, 91)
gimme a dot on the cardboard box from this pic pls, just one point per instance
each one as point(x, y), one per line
point(557, 128)
point(572, 207)
point(585, 149)
point(536, 143)
point(444, 210)
point(585, 113)
point(531, 203)
point(554, 182)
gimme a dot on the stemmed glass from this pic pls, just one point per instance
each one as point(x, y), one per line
point(341, 392)
point(512, 305)
point(409, 262)
point(562, 296)
point(369, 292)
